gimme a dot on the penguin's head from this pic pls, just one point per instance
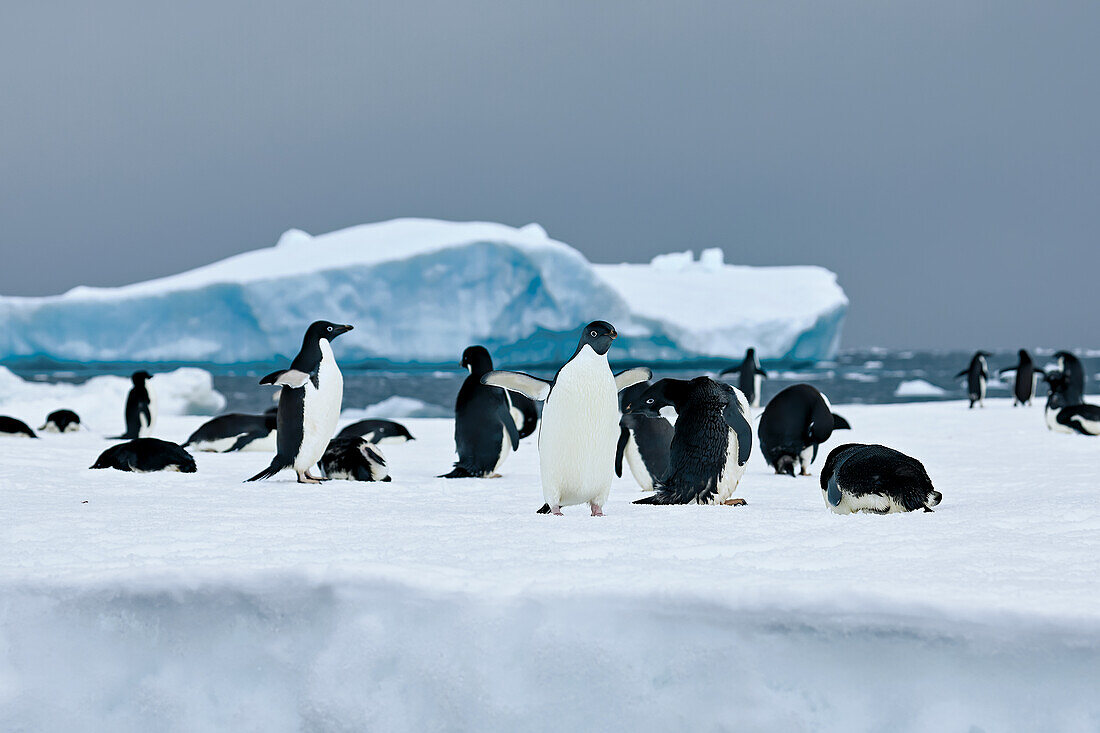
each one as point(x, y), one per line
point(399, 434)
point(1058, 384)
point(477, 360)
point(785, 464)
point(934, 499)
point(598, 335)
point(325, 330)
point(629, 395)
point(140, 377)
point(1024, 356)
point(650, 402)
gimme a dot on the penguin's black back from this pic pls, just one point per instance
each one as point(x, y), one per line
point(354, 458)
point(63, 419)
point(231, 425)
point(1075, 375)
point(861, 469)
point(377, 429)
point(13, 426)
point(290, 422)
point(136, 403)
point(1025, 378)
point(479, 427)
point(785, 425)
point(146, 454)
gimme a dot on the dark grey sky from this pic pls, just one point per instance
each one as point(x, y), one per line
point(942, 157)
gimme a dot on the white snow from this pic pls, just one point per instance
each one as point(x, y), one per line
point(420, 291)
point(918, 388)
point(395, 407)
point(100, 400)
point(197, 602)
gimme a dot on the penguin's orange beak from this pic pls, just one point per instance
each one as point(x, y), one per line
point(614, 335)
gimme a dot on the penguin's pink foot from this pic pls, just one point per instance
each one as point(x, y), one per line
point(305, 478)
point(556, 511)
point(597, 510)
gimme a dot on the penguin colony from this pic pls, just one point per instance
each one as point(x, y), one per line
point(593, 420)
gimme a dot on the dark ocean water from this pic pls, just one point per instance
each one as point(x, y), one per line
point(869, 376)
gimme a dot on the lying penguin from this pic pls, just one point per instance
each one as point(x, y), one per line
point(377, 432)
point(579, 421)
point(354, 459)
point(643, 440)
point(61, 421)
point(145, 455)
point(236, 432)
point(711, 444)
point(876, 480)
point(13, 428)
point(1065, 416)
point(794, 423)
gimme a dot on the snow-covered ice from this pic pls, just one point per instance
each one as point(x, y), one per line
point(421, 291)
point(197, 602)
point(918, 388)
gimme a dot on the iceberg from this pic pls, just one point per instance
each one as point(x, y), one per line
point(419, 291)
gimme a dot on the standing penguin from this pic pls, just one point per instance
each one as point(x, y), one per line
point(579, 421)
point(141, 407)
point(309, 404)
point(876, 480)
point(749, 376)
point(485, 432)
point(794, 423)
point(977, 374)
point(1026, 374)
point(1074, 371)
point(643, 439)
point(711, 445)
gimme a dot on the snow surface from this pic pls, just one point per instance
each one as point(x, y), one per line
point(100, 401)
point(420, 291)
point(918, 388)
point(196, 602)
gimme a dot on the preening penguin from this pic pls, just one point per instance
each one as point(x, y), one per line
point(524, 413)
point(141, 406)
point(1026, 373)
point(580, 420)
point(794, 423)
point(377, 432)
point(875, 479)
point(309, 404)
point(643, 440)
point(144, 455)
point(1064, 416)
point(977, 374)
point(1074, 390)
point(13, 428)
point(354, 459)
point(485, 433)
point(749, 376)
point(711, 444)
point(61, 421)
point(236, 432)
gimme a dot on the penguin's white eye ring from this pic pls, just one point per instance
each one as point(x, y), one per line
point(330, 328)
point(593, 334)
point(649, 401)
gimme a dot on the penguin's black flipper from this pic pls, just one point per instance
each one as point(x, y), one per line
point(243, 440)
point(762, 373)
point(286, 378)
point(840, 423)
point(742, 427)
point(1006, 370)
point(730, 370)
point(624, 437)
point(963, 373)
point(278, 463)
point(509, 426)
point(544, 509)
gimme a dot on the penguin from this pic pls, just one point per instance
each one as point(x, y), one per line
point(977, 374)
point(61, 421)
point(525, 413)
point(749, 377)
point(1026, 373)
point(485, 432)
point(144, 455)
point(643, 440)
point(12, 428)
point(580, 421)
point(377, 432)
point(1064, 416)
point(794, 423)
point(876, 480)
point(236, 432)
point(309, 404)
point(711, 444)
point(1074, 371)
point(141, 407)
point(355, 459)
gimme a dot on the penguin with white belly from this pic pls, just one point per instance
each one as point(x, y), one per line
point(977, 375)
point(1065, 416)
point(141, 407)
point(61, 421)
point(236, 432)
point(711, 445)
point(643, 440)
point(309, 404)
point(874, 479)
point(580, 420)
